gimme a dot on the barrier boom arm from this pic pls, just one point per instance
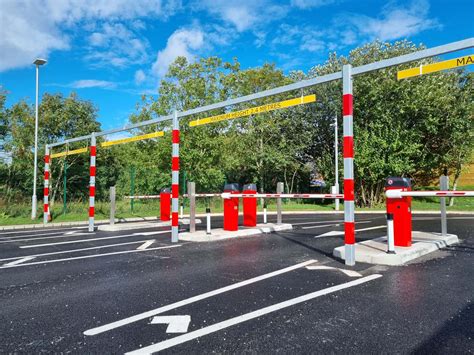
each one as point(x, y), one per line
point(400, 193)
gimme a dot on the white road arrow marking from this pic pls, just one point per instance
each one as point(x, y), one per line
point(146, 244)
point(330, 225)
point(19, 261)
point(335, 233)
point(350, 273)
point(176, 324)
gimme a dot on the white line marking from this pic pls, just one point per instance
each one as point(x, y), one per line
point(248, 316)
point(146, 244)
point(19, 261)
point(76, 250)
point(88, 240)
point(176, 324)
point(153, 312)
point(335, 233)
point(31, 235)
point(329, 225)
point(297, 224)
point(91, 256)
point(42, 238)
point(39, 230)
point(350, 273)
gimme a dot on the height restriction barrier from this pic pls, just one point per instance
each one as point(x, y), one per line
point(255, 110)
point(435, 67)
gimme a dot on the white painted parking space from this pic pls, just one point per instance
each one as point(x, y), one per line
point(92, 256)
point(78, 250)
point(153, 312)
point(248, 316)
point(93, 239)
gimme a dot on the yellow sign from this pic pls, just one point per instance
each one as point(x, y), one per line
point(133, 139)
point(110, 143)
point(431, 68)
point(69, 152)
point(254, 110)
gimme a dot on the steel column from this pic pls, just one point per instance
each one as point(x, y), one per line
point(92, 171)
point(46, 186)
point(175, 179)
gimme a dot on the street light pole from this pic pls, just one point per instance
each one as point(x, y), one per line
point(38, 62)
point(336, 162)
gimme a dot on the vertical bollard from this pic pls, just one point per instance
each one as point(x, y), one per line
point(264, 211)
point(348, 154)
point(192, 206)
point(279, 191)
point(390, 234)
point(112, 205)
point(46, 186)
point(175, 180)
point(181, 210)
point(444, 186)
point(208, 220)
point(92, 171)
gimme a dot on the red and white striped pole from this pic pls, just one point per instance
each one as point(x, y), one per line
point(46, 186)
point(92, 172)
point(348, 153)
point(175, 179)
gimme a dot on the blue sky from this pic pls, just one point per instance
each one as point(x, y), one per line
point(112, 51)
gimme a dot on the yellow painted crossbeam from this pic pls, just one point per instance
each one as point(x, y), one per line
point(254, 110)
point(133, 139)
point(431, 68)
point(110, 143)
point(69, 152)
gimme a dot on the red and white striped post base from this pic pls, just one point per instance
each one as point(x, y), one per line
point(46, 186)
point(175, 179)
point(92, 172)
point(348, 154)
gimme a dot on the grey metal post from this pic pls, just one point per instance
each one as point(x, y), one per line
point(444, 186)
point(279, 191)
point(264, 212)
point(208, 220)
point(112, 205)
point(192, 206)
point(390, 234)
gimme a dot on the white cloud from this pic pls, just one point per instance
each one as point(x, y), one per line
point(86, 84)
point(114, 44)
point(183, 42)
point(139, 77)
point(244, 14)
point(32, 28)
point(309, 4)
point(395, 22)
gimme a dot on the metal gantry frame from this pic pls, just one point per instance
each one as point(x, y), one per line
point(347, 75)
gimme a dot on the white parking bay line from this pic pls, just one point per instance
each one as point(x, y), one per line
point(90, 240)
point(40, 230)
point(317, 222)
point(42, 238)
point(153, 312)
point(90, 256)
point(76, 250)
point(248, 316)
point(21, 260)
point(330, 225)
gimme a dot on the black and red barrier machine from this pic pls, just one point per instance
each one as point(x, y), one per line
point(399, 212)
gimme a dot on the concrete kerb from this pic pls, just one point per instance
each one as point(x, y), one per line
point(221, 234)
point(374, 251)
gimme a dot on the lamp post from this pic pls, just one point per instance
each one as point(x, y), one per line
point(336, 165)
point(38, 62)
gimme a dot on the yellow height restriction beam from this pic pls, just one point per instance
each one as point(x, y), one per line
point(133, 139)
point(254, 110)
point(69, 152)
point(110, 143)
point(431, 68)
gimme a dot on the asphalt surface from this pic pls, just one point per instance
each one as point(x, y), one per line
point(65, 290)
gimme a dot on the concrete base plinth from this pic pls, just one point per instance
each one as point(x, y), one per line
point(221, 234)
point(140, 225)
point(375, 251)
